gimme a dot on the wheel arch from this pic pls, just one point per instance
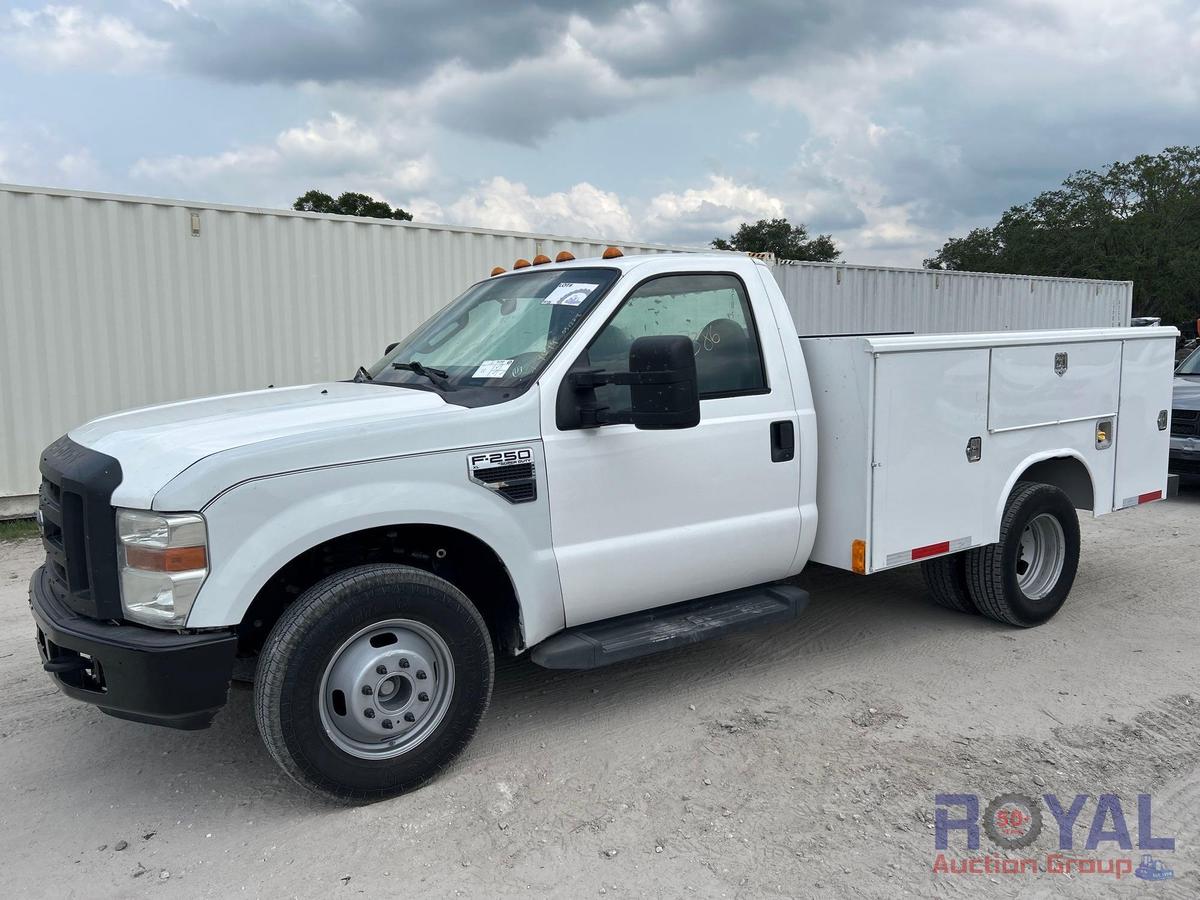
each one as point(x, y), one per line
point(465, 560)
point(1064, 469)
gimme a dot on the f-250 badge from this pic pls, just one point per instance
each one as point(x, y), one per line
point(510, 473)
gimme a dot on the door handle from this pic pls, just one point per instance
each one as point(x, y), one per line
point(783, 441)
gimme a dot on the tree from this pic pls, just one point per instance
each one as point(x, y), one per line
point(349, 204)
point(780, 237)
point(1133, 221)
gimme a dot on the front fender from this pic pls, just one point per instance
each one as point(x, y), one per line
point(260, 525)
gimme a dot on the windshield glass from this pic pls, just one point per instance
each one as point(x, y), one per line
point(1191, 365)
point(497, 336)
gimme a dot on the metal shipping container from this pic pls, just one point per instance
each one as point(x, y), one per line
point(109, 302)
point(832, 298)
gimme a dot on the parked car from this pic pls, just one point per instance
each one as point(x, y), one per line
point(1185, 418)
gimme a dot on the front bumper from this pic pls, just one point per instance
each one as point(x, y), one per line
point(159, 677)
point(1184, 456)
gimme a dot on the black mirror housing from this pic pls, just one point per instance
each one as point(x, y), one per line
point(663, 389)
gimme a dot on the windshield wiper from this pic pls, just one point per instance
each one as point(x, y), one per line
point(362, 375)
point(437, 376)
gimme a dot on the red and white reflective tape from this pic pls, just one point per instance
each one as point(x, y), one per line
point(1141, 498)
point(929, 550)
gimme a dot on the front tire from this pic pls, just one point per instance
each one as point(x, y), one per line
point(1025, 578)
point(373, 681)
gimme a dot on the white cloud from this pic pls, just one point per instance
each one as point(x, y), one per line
point(37, 156)
point(71, 37)
point(583, 210)
point(715, 210)
point(339, 148)
point(931, 136)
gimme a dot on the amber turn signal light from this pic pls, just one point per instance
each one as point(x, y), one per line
point(858, 556)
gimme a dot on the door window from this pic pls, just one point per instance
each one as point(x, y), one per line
point(711, 310)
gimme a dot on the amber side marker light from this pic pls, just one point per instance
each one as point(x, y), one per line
point(521, 264)
point(858, 557)
point(499, 270)
point(564, 256)
point(612, 253)
point(171, 559)
point(541, 259)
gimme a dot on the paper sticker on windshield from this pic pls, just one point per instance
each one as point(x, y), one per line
point(570, 293)
point(493, 368)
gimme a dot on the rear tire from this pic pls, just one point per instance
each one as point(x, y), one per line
point(367, 646)
point(1025, 578)
point(946, 578)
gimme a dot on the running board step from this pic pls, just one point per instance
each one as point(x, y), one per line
point(642, 633)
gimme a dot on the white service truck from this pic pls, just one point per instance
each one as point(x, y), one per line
point(585, 460)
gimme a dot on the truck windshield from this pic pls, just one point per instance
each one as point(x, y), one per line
point(490, 343)
point(1191, 365)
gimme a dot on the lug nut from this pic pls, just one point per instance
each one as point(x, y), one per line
point(369, 713)
point(423, 697)
point(382, 670)
point(367, 691)
point(420, 674)
point(404, 663)
point(409, 717)
point(386, 723)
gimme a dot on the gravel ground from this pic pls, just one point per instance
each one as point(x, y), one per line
point(802, 761)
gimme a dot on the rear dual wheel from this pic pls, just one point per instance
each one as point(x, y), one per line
point(1024, 578)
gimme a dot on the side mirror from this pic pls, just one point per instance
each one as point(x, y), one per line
point(662, 383)
point(662, 388)
point(390, 347)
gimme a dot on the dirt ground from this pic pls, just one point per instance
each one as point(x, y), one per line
point(803, 761)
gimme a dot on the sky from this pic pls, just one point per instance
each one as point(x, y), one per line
point(890, 125)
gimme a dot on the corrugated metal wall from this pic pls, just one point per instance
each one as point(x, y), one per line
point(110, 302)
point(826, 298)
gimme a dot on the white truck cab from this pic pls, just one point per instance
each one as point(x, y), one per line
point(586, 460)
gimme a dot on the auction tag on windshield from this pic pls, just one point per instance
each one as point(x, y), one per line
point(570, 293)
point(493, 368)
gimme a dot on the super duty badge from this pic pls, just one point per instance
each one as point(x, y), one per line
point(510, 473)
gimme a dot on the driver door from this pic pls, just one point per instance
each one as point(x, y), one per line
point(644, 518)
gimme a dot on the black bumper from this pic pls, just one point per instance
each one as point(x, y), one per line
point(159, 677)
point(1184, 462)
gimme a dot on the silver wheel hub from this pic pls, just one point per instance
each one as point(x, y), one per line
point(386, 689)
point(1040, 556)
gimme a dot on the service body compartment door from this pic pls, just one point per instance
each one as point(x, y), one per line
point(1147, 370)
point(928, 497)
point(1045, 384)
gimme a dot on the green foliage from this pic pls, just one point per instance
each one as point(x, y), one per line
point(780, 237)
point(18, 529)
point(349, 204)
point(1134, 221)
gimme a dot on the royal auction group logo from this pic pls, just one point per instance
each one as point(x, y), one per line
point(1015, 821)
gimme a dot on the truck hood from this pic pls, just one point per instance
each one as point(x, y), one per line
point(157, 443)
point(1186, 392)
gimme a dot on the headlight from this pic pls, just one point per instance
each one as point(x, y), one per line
point(163, 561)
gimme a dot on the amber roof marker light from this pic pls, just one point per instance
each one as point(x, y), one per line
point(612, 253)
point(541, 259)
point(564, 256)
point(499, 270)
point(521, 264)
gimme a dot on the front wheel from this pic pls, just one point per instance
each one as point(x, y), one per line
point(1025, 577)
point(373, 681)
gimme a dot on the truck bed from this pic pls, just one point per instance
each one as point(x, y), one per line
point(897, 414)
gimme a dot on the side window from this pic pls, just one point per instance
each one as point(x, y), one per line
point(712, 310)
